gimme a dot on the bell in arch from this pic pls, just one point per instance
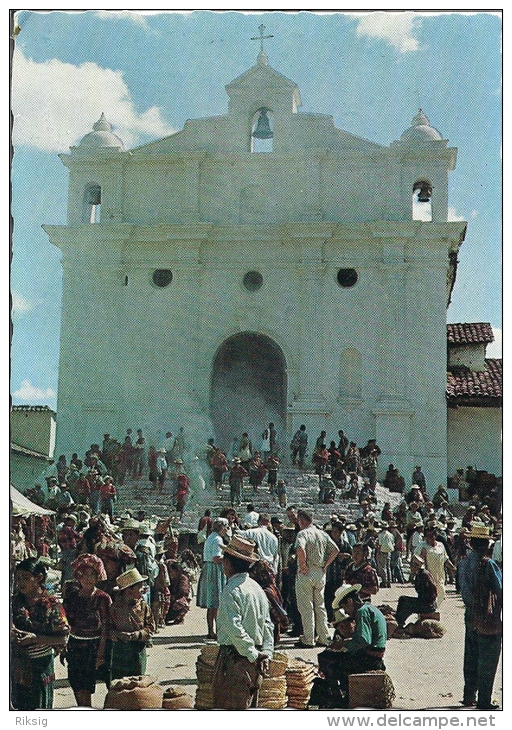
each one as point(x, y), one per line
point(424, 189)
point(262, 130)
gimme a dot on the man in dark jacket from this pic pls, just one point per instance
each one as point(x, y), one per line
point(481, 588)
point(425, 587)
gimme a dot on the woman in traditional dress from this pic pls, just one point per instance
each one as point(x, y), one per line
point(212, 579)
point(263, 574)
point(87, 609)
point(39, 631)
point(180, 591)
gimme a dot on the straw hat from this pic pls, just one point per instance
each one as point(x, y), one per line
point(242, 548)
point(343, 591)
point(130, 524)
point(129, 578)
point(479, 530)
point(339, 616)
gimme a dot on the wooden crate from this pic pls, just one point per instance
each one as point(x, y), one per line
point(372, 689)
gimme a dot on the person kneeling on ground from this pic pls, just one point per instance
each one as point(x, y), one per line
point(364, 651)
point(425, 587)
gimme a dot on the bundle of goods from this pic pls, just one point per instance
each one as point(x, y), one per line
point(371, 689)
point(391, 622)
point(134, 693)
point(426, 629)
point(272, 694)
point(205, 666)
point(299, 680)
point(176, 698)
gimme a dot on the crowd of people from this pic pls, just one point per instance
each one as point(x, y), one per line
point(258, 575)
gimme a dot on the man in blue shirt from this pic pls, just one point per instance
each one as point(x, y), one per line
point(481, 588)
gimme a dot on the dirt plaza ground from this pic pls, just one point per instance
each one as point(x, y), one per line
point(426, 673)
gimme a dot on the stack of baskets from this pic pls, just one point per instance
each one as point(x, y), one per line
point(299, 680)
point(272, 694)
point(205, 666)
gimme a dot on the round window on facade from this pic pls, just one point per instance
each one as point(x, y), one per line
point(347, 277)
point(253, 281)
point(162, 277)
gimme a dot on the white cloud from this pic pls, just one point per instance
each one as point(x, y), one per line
point(20, 305)
point(398, 29)
point(46, 97)
point(453, 215)
point(32, 395)
point(495, 349)
point(135, 16)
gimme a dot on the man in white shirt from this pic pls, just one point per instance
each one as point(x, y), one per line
point(250, 518)
point(244, 631)
point(315, 551)
point(167, 445)
point(385, 546)
point(266, 542)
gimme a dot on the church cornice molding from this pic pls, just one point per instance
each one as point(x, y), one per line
point(400, 233)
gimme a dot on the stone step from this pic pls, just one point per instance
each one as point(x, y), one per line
point(301, 487)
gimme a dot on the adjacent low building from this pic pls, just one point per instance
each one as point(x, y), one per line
point(474, 396)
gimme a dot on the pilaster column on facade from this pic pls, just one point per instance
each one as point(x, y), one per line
point(192, 164)
point(393, 428)
point(312, 337)
point(391, 339)
point(312, 206)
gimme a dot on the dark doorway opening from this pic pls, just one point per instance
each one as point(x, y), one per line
point(248, 388)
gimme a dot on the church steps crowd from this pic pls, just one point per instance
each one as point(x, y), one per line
point(302, 565)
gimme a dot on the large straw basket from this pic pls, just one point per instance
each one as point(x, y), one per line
point(372, 689)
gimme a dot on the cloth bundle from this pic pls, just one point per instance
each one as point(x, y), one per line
point(299, 680)
point(134, 693)
point(205, 666)
point(176, 698)
point(426, 629)
point(272, 693)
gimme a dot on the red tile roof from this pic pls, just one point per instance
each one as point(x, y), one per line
point(465, 387)
point(469, 333)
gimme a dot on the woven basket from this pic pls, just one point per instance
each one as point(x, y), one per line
point(372, 689)
point(278, 665)
point(134, 693)
point(204, 698)
point(209, 653)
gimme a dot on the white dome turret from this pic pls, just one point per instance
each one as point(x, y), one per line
point(420, 131)
point(102, 136)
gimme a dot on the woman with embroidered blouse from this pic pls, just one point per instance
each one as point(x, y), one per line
point(87, 609)
point(39, 631)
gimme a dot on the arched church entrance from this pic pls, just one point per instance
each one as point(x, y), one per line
point(248, 388)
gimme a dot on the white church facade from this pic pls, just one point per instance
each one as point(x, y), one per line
point(259, 266)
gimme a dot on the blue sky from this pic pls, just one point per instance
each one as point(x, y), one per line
point(150, 72)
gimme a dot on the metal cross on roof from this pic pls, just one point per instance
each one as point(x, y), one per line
point(261, 36)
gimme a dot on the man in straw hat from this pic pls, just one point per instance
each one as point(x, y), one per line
point(364, 650)
point(481, 588)
point(244, 629)
point(130, 625)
